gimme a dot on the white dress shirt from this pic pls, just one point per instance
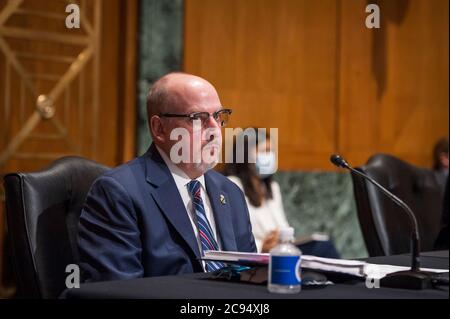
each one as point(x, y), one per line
point(266, 218)
point(182, 180)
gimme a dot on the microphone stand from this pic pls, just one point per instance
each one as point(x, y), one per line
point(408, 279)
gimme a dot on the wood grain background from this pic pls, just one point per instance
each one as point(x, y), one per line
point(313, 70)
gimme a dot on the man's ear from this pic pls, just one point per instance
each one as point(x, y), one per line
point(157, 129)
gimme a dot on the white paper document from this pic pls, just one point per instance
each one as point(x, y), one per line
point(349, 267)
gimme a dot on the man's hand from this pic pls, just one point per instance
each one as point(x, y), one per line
point(270, 241)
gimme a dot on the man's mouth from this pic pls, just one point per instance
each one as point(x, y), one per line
point(213, 148)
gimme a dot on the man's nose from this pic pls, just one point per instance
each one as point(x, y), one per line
point(212, 122)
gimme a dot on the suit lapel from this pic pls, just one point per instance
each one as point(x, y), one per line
point(222, 215)
point(168, 198)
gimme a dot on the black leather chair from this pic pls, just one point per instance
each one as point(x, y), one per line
point(42, 210)
point(385, 227)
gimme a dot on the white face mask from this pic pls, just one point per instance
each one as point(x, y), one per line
point(266, 164)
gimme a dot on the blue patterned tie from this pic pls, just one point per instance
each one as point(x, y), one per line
point(204, 229)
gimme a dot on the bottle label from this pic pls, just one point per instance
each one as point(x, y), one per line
point(285, 270)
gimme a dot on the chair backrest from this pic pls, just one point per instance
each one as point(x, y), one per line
point(42, 210)
point(385, 227)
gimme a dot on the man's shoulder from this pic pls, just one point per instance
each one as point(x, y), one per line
point(131, 170)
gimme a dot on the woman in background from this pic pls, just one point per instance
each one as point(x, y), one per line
point(263, 194)
point(440, 161)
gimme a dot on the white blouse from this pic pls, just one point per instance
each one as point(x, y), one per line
point(266, 218)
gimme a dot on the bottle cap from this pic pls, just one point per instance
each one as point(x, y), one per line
point(287, 234)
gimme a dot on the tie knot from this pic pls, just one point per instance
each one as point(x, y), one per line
point(193, 186)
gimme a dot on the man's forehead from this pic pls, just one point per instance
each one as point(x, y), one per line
point(197, 89)
point(185, 82)
point(186, 107)
point(196, 98)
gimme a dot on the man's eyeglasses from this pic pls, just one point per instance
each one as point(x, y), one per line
point(220, 116)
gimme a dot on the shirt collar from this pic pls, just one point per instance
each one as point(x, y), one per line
point(178, 174)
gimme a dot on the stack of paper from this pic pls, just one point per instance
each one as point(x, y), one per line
point(379, 271)
point(237, 257)
point(349, 267)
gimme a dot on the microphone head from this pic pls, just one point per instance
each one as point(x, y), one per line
point(339, 161)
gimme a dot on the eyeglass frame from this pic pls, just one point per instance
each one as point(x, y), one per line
point(192, 115)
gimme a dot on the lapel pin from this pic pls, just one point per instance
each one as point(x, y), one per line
point(222, 199)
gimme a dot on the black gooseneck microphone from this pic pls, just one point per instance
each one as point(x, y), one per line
point(413, 278)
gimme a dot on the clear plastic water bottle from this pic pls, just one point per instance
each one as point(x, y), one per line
point(284, 265)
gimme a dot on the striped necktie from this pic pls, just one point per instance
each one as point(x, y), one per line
point(204, 229)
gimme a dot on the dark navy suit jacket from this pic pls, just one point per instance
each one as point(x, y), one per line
point(134, 222)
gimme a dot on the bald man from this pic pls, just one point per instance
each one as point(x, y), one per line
point(157, 214)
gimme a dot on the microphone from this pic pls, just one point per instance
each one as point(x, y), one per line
point(410, 279)
point(339, 161)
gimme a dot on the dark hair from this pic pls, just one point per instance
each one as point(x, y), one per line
point(255, 188)
point(440, 147)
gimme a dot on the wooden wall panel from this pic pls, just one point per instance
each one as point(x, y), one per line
point(313, 70)
point(394, 81)
point(94, 111)
point(95, 108)
point(262, 55)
